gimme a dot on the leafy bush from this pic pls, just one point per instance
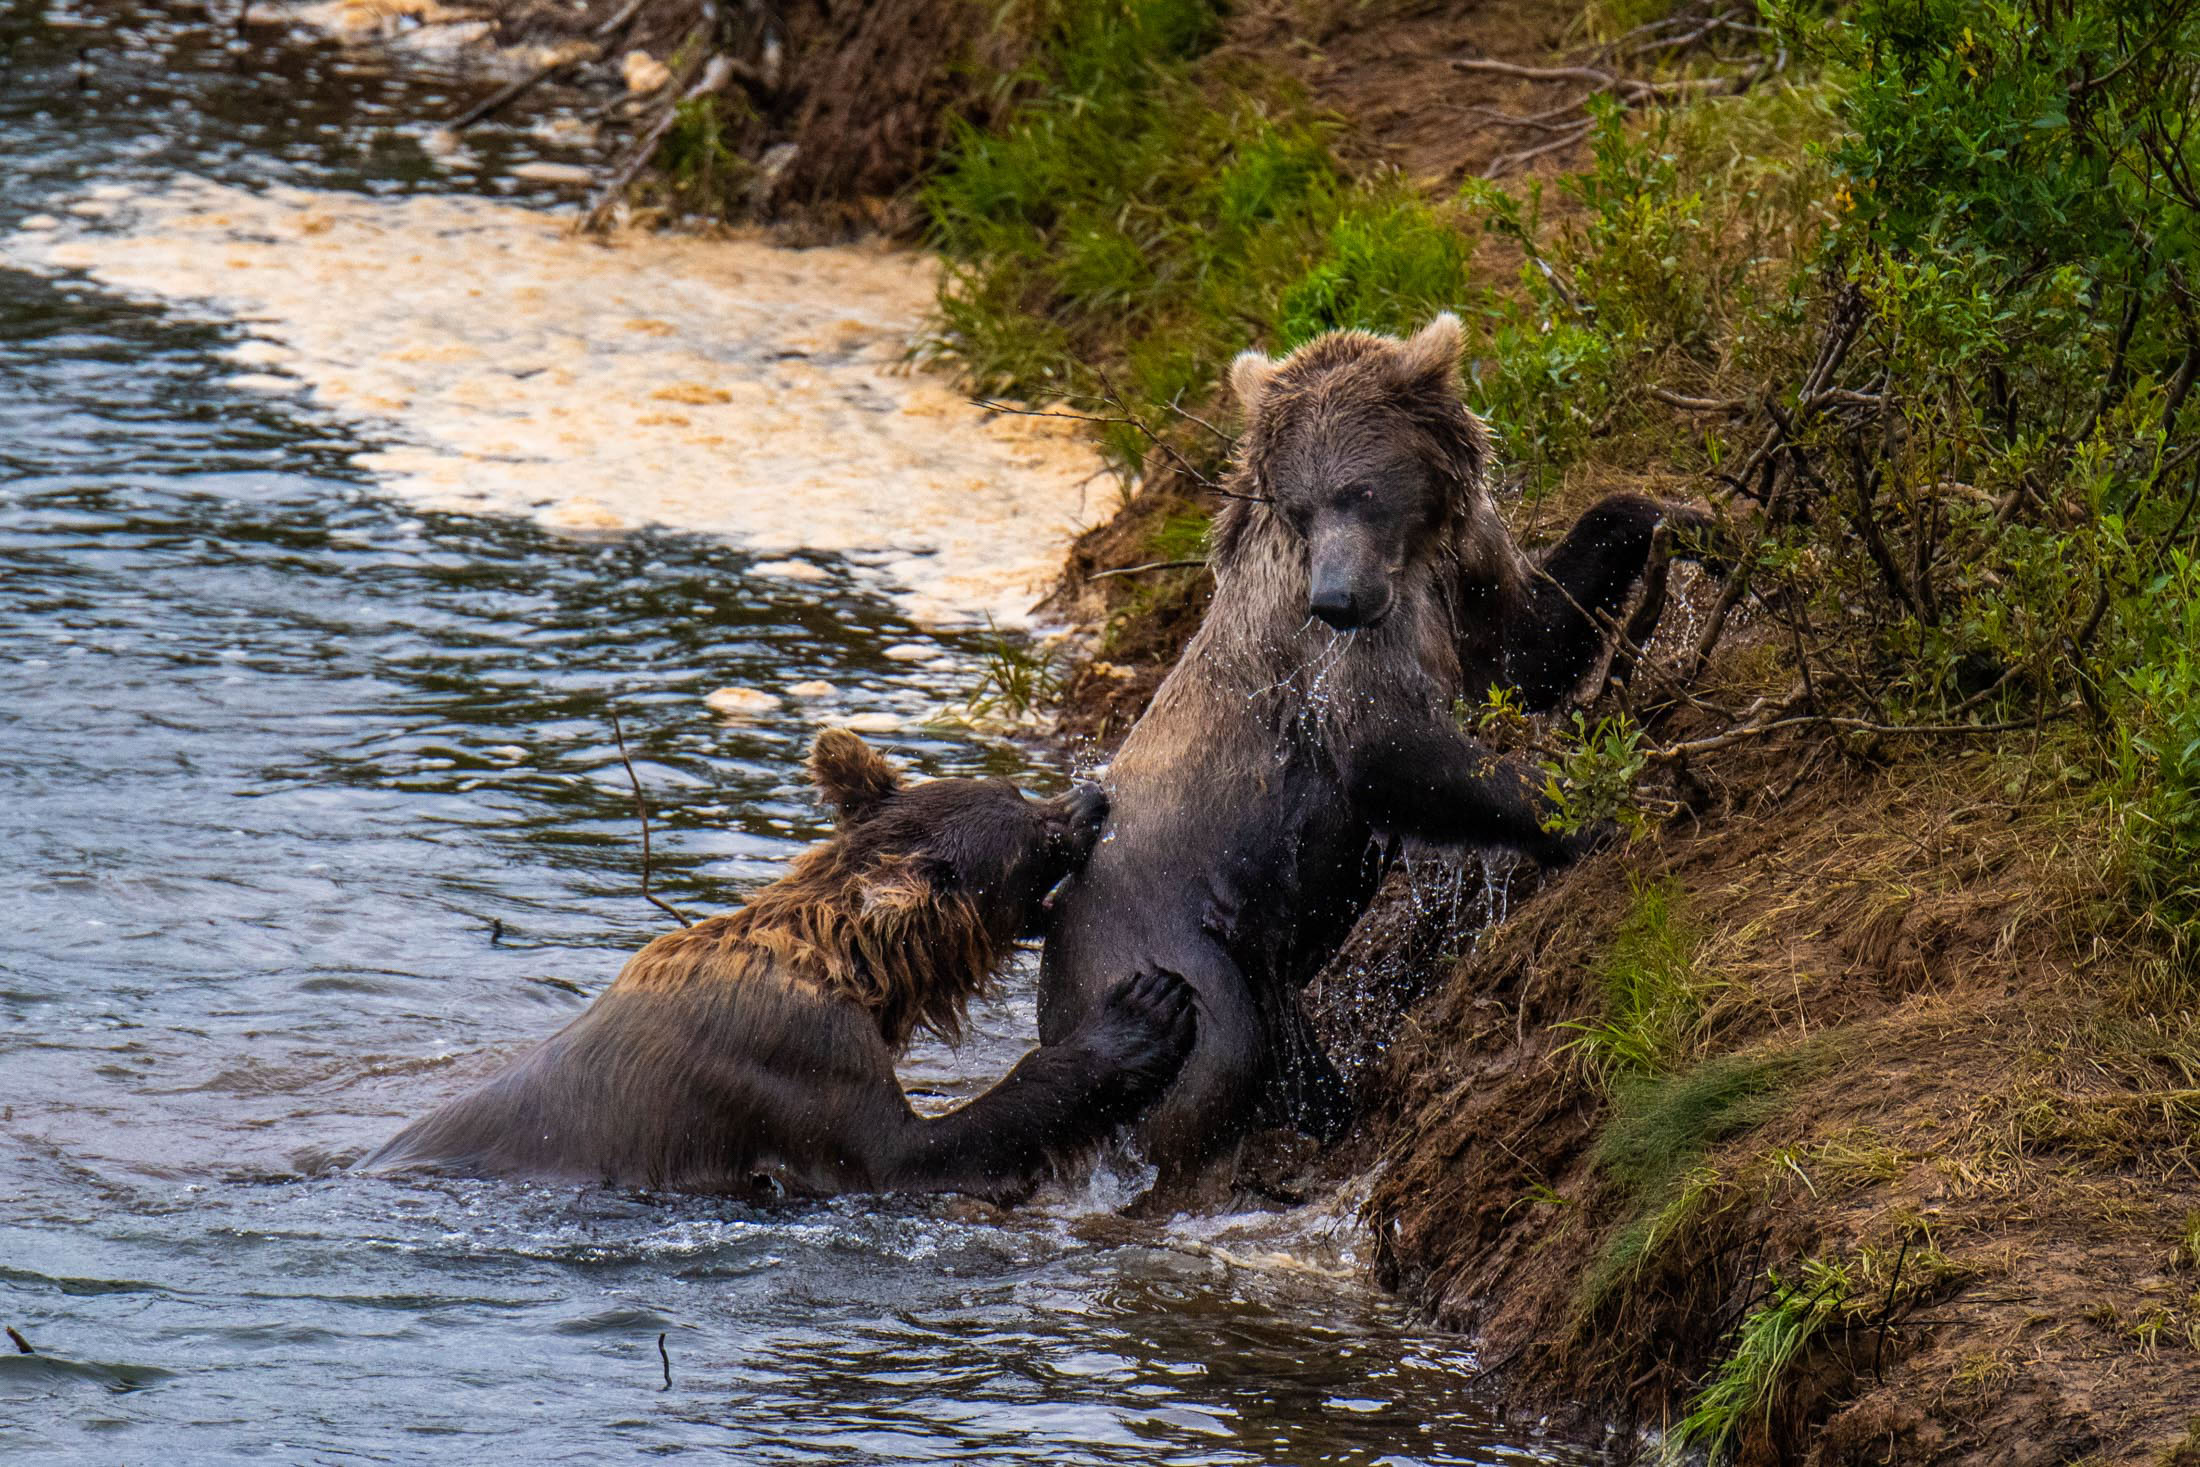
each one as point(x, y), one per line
point(1591, 780)
point(2158, 748)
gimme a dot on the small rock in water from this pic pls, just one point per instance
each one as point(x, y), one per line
point(552, 172)
point(814, 688)
point(644, 72)
point(873, 722)
point(910, 652)
point(741, 702)
point(40, 222)
point(92, 208)
point(790, 570)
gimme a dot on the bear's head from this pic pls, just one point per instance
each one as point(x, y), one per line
point(950, 842)
point(1359, 447)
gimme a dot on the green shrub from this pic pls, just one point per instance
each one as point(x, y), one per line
point(1591, 779)
point(2158, 748)
point(1386, 266)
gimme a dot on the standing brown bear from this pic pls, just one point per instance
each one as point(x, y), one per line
point(753, 1053)
point(1363, 582)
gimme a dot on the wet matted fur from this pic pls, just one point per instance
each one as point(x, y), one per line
point(1364, 583)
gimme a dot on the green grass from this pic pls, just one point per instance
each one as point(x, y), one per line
point(1654, 994)
point(1181, 536)
point(1654, 1144)
point(1016, 675)
point(1747, 1385)
point(1140, 216)
point(700, 168)
point(1661, 1125)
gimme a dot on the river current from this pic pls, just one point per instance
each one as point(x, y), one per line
point(310, 816)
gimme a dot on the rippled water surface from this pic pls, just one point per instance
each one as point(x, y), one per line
point(310, 815)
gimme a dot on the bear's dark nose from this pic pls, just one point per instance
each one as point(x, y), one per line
point(1336, 605)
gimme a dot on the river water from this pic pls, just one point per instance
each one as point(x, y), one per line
point(310, 816)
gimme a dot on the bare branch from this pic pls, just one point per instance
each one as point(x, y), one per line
point(641, 811)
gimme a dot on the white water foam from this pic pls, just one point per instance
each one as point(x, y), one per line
point(727, 386)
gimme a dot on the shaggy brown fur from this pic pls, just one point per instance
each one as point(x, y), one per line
point(754, 1052)
point(1364, 583)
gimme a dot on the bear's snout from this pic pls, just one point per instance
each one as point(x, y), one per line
point(1349, 603)
point(1347, 583)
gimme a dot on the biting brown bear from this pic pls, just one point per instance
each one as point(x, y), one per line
point(753, 1053)
point(1364, 581)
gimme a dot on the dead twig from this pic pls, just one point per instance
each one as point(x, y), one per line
point(1509, 161)
point(505, 95)
point(665, 1356)
point(1701, 404)
point(22, 1346)
point(1125, 419)
point(1844, 725)
point(1886, 1310)
point(641, 811)
point(1151, 565)
point(620, 20)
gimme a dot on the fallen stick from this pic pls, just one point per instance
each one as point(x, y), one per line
point(1151, 565)
point(1700, 404)
point(505, 95)
point(620, 21)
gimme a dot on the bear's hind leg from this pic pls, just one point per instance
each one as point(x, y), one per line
point(1218, 1096)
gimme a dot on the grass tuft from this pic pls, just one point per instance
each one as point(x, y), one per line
point(1017, 675)
point(1653, 994)
point(1746, 1387)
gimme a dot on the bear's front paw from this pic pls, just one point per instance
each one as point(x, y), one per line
point(1145, 1028)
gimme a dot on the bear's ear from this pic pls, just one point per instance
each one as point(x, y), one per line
point(1250, 375)
point(852, 776)
point(1433, 351)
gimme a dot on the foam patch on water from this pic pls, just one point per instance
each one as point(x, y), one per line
point(725, 386)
